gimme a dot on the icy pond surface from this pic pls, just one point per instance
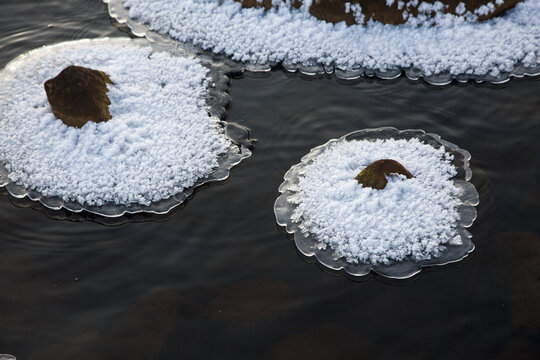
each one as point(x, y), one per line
point(219, 279)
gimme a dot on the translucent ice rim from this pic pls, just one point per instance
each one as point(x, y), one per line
point(216, 100)
point(120, 14)
point(309, 245)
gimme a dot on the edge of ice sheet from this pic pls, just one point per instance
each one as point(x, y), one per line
point(216, 100)
point(121, 15)
point(308, 245)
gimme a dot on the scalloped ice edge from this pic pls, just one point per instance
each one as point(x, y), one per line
point(347, 269)
point(470, 200)
point(121, 15)
point(216, 100)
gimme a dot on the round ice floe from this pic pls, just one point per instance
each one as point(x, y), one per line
point(456, 47)
point(160, 143)
point(412, 222)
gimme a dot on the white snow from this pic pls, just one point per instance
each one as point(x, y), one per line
point(409, 217)
point(432, 44)
point(435, 7)
point(159, 141)
point(357, 13)
point(485, 9)
point(460, 8)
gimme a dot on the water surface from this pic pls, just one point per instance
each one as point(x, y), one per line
point(219, 279)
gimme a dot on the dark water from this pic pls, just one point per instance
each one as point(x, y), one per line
point(220, 280)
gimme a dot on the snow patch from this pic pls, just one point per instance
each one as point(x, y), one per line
point(448, 43)
point(159, 141)
point(409, 217)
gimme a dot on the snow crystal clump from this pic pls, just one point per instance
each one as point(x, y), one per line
point(159, 141)
point(410, 217)
point(445, 43)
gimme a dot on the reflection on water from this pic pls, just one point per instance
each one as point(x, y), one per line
point(330, 341)
point(219, 279)
point(514, 259)
point(522, 280)
point(139, 334)
point(256, 300)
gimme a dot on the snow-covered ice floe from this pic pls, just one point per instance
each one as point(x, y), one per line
point(439, 51)
point(164, 138)
point(395, 231)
